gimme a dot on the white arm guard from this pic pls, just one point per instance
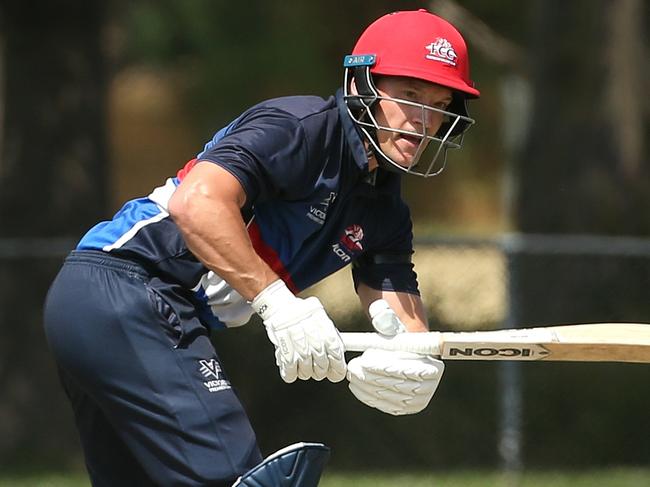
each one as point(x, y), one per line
point(307, 345)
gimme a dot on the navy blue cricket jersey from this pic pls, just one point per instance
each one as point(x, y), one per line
point(311, 208)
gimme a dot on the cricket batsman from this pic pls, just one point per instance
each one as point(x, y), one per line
point(288, 193)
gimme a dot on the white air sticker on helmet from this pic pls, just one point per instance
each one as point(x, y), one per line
point(442, 50)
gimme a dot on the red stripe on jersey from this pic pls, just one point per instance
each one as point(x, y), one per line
point(186, 168)
point(270, 256)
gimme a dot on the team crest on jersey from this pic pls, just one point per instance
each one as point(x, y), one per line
point(349, 243)
point(442, 50)
point(211, 370)
point(352, 238)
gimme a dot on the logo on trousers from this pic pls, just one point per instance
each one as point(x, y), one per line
point(210, 369)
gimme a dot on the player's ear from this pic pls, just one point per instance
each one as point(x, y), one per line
point(353, 87)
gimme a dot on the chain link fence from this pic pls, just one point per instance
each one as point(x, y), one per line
point(507, 414)
point(463, 284)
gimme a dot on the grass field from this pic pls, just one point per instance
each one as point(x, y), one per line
point(591, 478)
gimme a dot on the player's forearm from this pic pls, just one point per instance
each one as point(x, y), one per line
point(210, 221)
point(221, 242)
point(408, 307)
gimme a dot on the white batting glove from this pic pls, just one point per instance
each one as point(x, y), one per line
point(396, 383)
point(307, 344)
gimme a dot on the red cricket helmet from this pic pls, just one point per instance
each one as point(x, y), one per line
point(419, 45)
point(415, 44)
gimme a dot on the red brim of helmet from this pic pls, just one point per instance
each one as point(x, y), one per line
point(452, 82)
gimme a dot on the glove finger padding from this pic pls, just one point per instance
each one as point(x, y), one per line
point(394, 382)
point(317, 363)
point(307, 344)
point(285, 358)
point(336, 366)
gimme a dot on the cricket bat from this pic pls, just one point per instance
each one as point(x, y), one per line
point(598, 342)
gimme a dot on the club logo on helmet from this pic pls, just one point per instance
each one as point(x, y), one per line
point(442, 50)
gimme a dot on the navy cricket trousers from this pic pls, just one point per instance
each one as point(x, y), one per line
point(151, 402)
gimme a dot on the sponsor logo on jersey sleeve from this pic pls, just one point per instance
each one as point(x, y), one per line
point(318, 213)
point(349, 243)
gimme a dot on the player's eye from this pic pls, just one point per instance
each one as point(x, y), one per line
point(411, 95)
point(442, 105)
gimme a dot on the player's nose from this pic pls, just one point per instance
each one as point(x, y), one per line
point(425, 120)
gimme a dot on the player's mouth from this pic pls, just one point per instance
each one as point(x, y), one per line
point(409, 143)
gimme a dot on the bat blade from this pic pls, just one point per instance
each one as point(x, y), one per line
point(599, 342)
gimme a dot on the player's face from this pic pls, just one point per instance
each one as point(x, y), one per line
point(400, 147)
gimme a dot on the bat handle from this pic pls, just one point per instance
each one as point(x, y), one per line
point(428, 343)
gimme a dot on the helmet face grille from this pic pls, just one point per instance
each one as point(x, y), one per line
point(413, 44)
point(431, 154)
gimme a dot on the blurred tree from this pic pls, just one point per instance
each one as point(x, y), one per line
point(53, 156)
point(52, 183)
point(235, 55)
point(584, 168)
